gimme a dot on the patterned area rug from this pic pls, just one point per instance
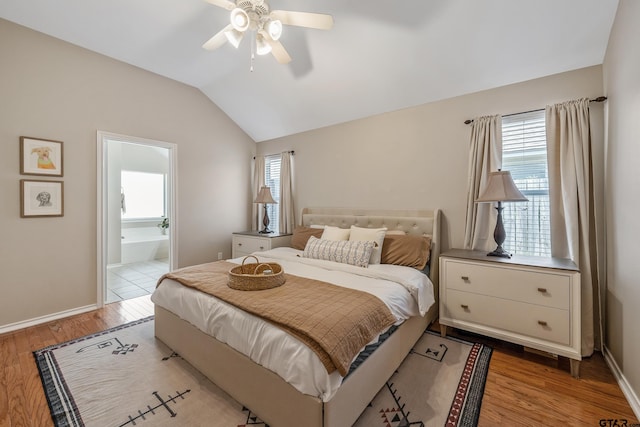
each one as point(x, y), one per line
point(125, 377)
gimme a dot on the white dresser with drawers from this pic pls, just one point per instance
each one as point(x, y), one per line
point(531, 301)
point(246, 242)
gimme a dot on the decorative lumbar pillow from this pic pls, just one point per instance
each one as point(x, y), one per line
point(344, 251)
point(301, 236)
point(409, 250)
point(335, 233)
point(370, 234)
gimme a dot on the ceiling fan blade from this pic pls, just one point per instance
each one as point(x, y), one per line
point(304, 19)
point(278, 51)
point(225, 4)
point(218, 40)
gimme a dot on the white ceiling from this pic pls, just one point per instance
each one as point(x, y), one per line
point(380, 55)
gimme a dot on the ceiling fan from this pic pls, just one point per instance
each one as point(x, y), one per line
point(257, 16)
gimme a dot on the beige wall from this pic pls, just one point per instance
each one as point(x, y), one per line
point(52, 89)
point(408, 159)
point(417, 158)
point(622, 85)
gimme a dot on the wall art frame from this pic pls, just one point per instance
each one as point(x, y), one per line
point(41, 156)
point(40, 198)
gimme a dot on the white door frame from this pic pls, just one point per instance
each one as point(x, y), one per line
point(172, 190)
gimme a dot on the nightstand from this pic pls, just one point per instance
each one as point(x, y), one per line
point(531, 301)
point(246, 242)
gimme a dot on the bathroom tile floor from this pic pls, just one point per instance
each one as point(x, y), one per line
point(126, 281)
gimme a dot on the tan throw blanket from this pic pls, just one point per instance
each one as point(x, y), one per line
point(335, 322)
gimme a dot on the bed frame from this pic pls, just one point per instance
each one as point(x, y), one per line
point(271, 398)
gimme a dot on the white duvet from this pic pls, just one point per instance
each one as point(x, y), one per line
point(406, 291)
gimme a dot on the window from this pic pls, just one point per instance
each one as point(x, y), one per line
point(524, 154)
point(272, 180)
point(144, 195)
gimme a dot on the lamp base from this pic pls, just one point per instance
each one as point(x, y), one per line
point(499, 252)
point(265, 222)
point(499, 236)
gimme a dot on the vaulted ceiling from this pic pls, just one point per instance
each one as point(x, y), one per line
point(380, 55)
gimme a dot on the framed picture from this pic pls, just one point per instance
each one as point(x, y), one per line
point(40, 156)
point(41, 198)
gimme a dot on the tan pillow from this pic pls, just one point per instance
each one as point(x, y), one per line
point(409, 250)
point(301, 236)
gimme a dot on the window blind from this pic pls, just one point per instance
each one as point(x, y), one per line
point(272, 180)
point(524, 154)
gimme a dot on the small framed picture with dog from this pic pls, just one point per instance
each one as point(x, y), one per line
point(41, 198)
point(40, 156)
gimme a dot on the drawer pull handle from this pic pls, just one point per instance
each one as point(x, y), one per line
point(464, 306)
point(542, 290)
point(239, 244)
point(465, 278)
point(542, 323)
point(261, 247)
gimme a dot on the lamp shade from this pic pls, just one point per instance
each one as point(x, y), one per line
point(274, 29)
point(234, 36)
point(501, 188)
point(239, 19)
point(262, 47)
point(264, 196)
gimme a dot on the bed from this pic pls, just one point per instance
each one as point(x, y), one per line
point(274, 399)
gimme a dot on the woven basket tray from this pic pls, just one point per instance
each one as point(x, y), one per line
point(252, 277)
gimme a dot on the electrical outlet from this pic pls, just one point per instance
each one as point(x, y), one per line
point(219, 255)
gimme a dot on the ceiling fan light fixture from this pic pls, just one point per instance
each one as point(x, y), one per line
point(262, 47)
point(265, 25)
point(234, 36)
point(274, 29)
point(239, 19)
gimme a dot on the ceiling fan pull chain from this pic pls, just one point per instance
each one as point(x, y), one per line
point(253, 52)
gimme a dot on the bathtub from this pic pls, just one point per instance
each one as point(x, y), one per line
point(143, 244)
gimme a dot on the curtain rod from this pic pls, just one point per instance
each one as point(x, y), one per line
point(598, 99)
point(267, 155)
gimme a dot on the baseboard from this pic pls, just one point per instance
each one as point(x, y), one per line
point(626, 388)
point(44, 319)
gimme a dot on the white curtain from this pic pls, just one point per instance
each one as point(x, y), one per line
point(485, 156)
point(258, 182)
point(287, 221)
point(571, 199)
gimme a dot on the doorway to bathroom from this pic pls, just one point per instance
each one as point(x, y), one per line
point(136, 201)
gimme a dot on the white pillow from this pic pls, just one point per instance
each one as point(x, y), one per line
point(335, 233)
point(375, 235)
point(355, 253)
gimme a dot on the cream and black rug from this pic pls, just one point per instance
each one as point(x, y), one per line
point(125, 377)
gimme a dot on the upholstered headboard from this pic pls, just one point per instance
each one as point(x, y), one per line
point(417, 222)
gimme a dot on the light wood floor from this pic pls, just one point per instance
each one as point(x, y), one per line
point(522, 389)
point(526, 389)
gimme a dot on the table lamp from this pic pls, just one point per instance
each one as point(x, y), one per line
point(264, 197)
point(500, 188)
